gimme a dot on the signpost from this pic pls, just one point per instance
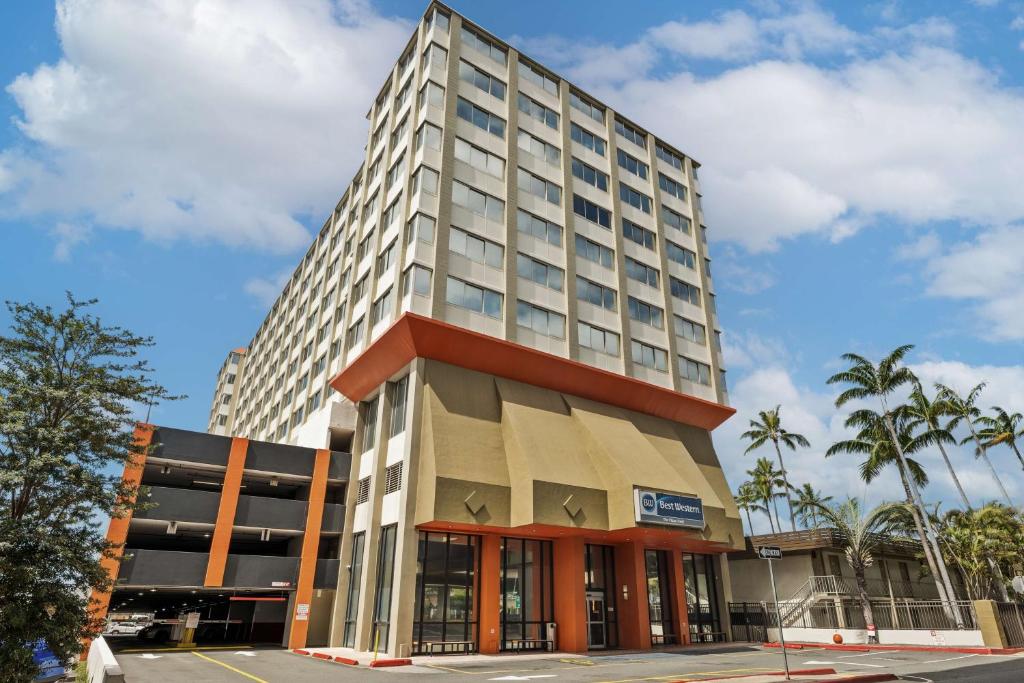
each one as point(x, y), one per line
point(774, 552)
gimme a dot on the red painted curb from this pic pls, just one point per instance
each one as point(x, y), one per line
point(321, 655)
point(346, 660)
point(793, 672)
point(390, 662)
point(864, 678)
point(301, 652)
point(967, 650)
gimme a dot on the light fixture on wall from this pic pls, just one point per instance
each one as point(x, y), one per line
point(625, 592)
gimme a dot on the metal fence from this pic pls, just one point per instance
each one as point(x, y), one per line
point(888, 614)
point(749, 622)
point(1011, 614)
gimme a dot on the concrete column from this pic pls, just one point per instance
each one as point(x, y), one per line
point(570, 594)
point(634, 617)
point(677, 586)
point(992, 633)
point(724, 593)
point(488, 586)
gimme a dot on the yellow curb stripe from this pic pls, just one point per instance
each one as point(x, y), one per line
point(229, 667)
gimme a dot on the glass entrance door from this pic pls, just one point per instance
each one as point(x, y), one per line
point(596, 628)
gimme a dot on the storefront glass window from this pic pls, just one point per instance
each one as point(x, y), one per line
point(702, 598)
point(527, 585)
point(659, 598)
point(444, 618)
point(385, 579)
point(354, 579)
point(600, 585)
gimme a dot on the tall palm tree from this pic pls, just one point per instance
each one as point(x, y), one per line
point(978, 542)
point(769, 428)
point(964, 409)
point(747, 499)
point(1003, 428)
point(927, 415)
point(808, 501)
point(861, 535)
point(766, 482)
point(870, 381)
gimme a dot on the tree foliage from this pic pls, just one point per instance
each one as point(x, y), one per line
point(69, 387)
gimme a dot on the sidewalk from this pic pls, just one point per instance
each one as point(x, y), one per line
point(955, 649)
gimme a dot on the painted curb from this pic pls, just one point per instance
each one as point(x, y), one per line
point(793, 672)
point(301, 652)
point(377, 663)
point(347, 660)
point(967, 650)
point(863, 678)
point(321, 655)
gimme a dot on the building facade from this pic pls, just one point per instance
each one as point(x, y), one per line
point(509, 322)
point(225, 398)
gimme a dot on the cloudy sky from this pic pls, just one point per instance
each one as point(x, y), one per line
point(862, 169)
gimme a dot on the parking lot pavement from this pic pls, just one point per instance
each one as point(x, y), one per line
point(281, 666)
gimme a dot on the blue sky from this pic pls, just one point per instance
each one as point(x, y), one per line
point(861, 169)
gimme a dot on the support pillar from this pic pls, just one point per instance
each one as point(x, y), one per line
point(677, 579)
point(570, 594)
point(634, 618)
point(229, 492)
point(489, 590)
point(310, 549)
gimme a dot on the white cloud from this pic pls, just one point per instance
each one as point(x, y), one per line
point(68, 236)
point(209, 119)
point(731, 36)
point(925, 246)
point(266, 290)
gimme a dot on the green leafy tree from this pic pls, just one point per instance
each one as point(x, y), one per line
point(861, 534)
point(747, 500)
point(927, 415)
point(767, 483)
point(1001, 428)
point(69, 386)
point(808, 502)
point(965, 411)
point(868, 381)
point(768, 427)
point(982, 544)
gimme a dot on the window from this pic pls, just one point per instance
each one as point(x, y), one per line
point(640, 235)
point(370, 207)
point(483, 45)
point(479, 203)
point(481, 79)
point(447, 574)
point(298, 415)
point(528, 72)
point(592, 251)
point(479, 159)
point(359, 288)
point(440, 20)
point(420, 227)
point(539, 148)
point(636, 199)
point(399, 397)
point(675, 220)
point(540, 320)
point(362, 490)
point(381, 307)
point(432, 94)
point(354, 334)
point(538, 227)
point(668, 157)
point(392, 213)
point(718, 340)
point(395, 172)
point(641, 272)
point(649, 356)
point(675, 189)
point(393, 478)
point(537, 186)
point(594, 111)
point(695, 371)
point(303, 382)
point(701, 583)
point(385, 580)
point(685, 291)
point(536, 110)
point(587, 139)
point(589, 174)
point(313, 403)
point(680, 255)
point(222, 420)
point(632, 164)
point(527, 589)
point(369, 423)
point(476, 248)
point(398, 134)
point(643, 312)
point(435, 55)
point(429, 135)
point(598, 339)
point(477, 299)
point(335, 348)
point(481, 118)
point(592, 292)
point(631, 134)
point(230, 379)
point(539, 272)
point(425, 179)
point(691, 331)
point(591, 211)
point(374, 141)
point(374, 169)
point(417, 279)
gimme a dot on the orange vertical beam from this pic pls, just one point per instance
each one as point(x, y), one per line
point(634, 619)
point(310, 547)
point(117, 530)
point(489, 590)
point(678, 584)
point(226, 513)
point(571, 594)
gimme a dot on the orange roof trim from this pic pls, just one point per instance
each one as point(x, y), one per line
point(413, 336)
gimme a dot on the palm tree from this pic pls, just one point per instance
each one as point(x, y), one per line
point(927, 415)
point(979, 542)
point(766, 480)
point(860, 536)
point(747, 499)
point(769, 428)
point(808, 501)
point(1003, 428)
point(964, 409)
point(870, 381)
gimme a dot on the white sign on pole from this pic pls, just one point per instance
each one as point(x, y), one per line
point(192, 620)
point(302, 611)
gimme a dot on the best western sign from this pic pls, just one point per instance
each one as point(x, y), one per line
point(671, 509)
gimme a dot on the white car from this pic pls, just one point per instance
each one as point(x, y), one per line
point(123, 628)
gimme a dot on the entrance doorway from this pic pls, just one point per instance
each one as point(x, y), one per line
point(597, 628)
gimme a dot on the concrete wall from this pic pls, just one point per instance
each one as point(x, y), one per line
point(101, 667)
point(751, 583)
point(885, 637)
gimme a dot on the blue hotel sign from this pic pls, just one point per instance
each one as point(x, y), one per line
point(669, 508)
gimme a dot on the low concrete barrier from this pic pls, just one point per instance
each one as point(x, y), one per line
point(101, 665)
point(935, 638)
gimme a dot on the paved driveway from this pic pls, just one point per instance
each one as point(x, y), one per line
point(281, 666)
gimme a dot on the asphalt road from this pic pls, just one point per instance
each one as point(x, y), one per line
point(274, 666)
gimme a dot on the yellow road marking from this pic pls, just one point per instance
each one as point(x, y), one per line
point(231, 668)
point(178, 649)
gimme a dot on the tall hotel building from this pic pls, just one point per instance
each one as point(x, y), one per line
point(508, 320)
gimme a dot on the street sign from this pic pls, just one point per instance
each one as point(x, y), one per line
point(769, 552)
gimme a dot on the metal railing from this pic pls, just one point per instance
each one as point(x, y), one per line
point(1011, 614)
point(896, 614)
point(844, 585)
